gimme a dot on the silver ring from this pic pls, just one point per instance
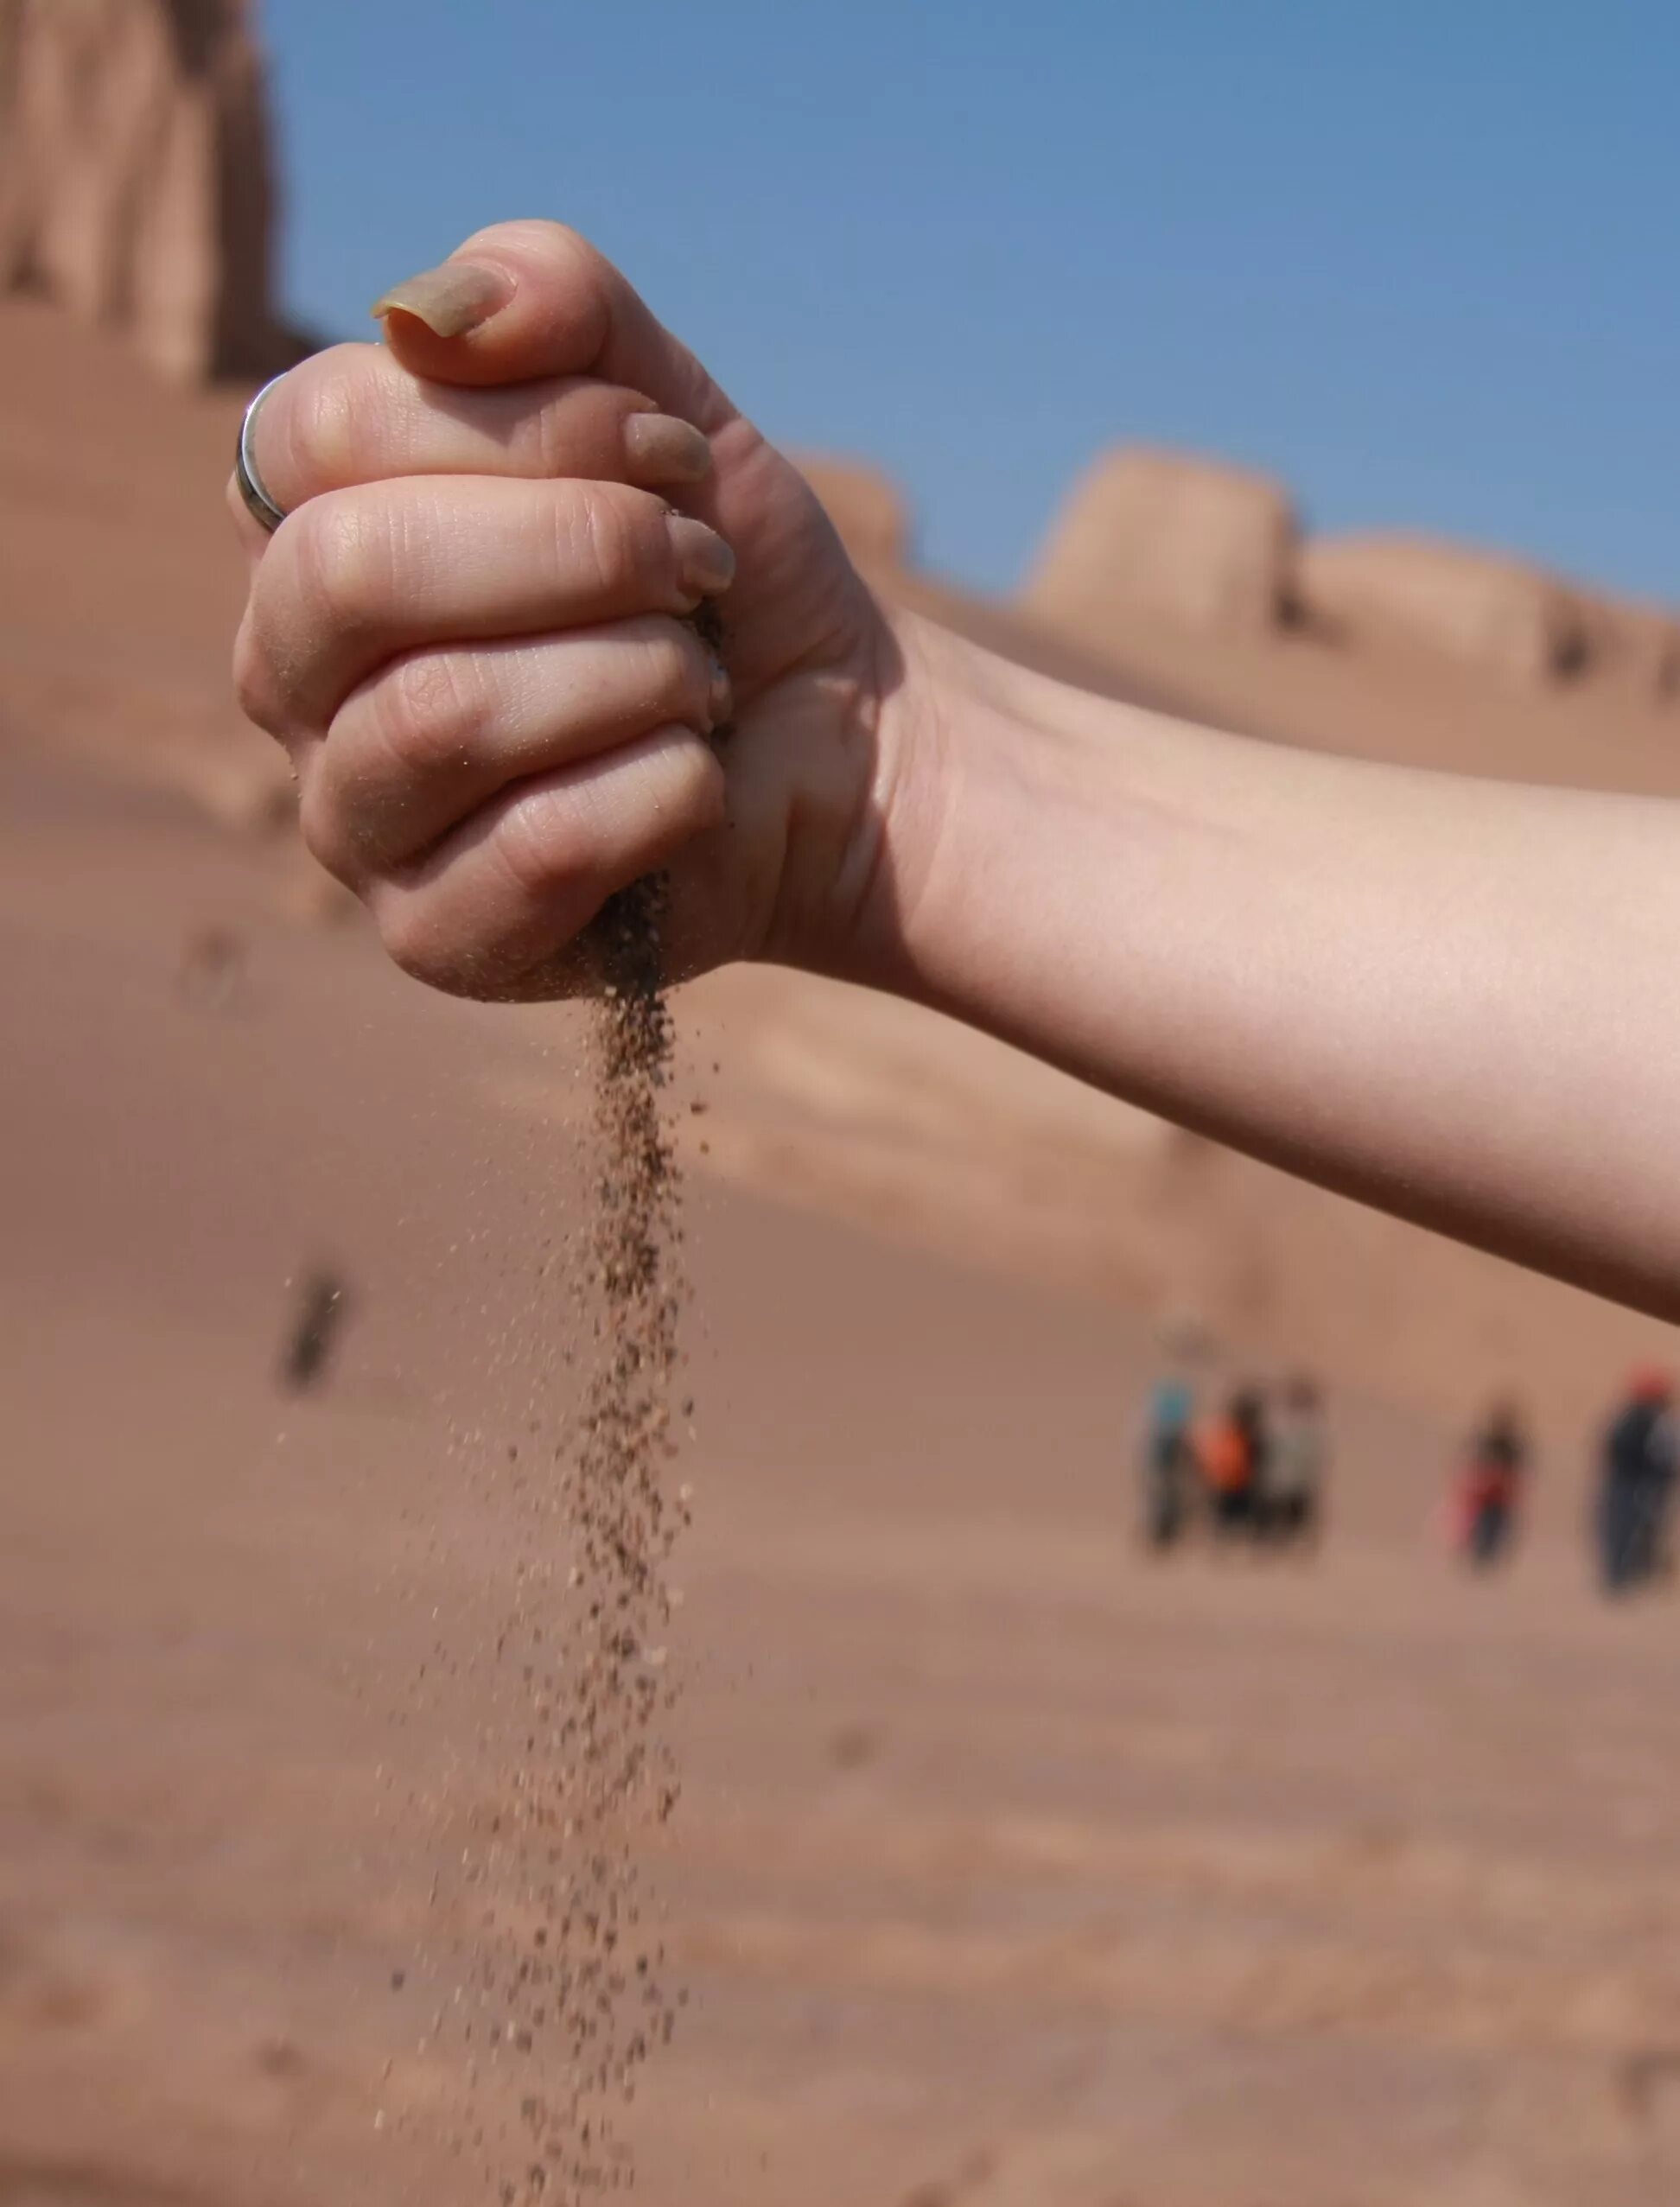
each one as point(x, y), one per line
point(260, 506)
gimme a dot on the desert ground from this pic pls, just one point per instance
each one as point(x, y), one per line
point(1010, 1867)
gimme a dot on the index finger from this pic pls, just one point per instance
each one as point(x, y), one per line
point(354, 414)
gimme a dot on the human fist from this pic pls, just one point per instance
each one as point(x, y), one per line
point(502, 660)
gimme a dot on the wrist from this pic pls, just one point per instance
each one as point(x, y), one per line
point(984, 772)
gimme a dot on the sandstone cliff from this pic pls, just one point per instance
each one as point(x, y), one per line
point(1151, 541)
point(1513, 621)
point(1204, 545)
point(1509, 618)
point(136, 176)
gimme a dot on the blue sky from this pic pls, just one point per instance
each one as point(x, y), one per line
point(1419, 257)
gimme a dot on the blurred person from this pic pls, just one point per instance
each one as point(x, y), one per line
point(1490, 1486)
point(1291, 1506)
point(1637, 1461)
point(1233, 1457)
point(476, 555)
point(1168, 1461)
point(321, 1310)
point(211, 968)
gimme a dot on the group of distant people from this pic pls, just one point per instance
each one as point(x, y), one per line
point(1253, 1468)
point(1638, 1465)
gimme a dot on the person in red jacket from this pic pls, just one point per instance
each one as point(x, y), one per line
point(1490, 1486)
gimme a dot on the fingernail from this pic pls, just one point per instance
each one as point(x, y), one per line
point(704, 562)
point(664, 449)
point(450, 299)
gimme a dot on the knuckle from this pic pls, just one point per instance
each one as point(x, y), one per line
point(412, 946)
point(253, 688)
point(548, 441)
point(608, 533)
point(673, 676)
point(696, 797)
point(566, 433)
point(540, 840)
point(414, 940)
point(325, 831)
point(343, 558)
point(316, 429)
point(427, 713)
point(699, 678)
point(565, 251)
point(597, 543)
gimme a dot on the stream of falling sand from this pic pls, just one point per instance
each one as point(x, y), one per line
point(561, 1978)
point(588, 1997)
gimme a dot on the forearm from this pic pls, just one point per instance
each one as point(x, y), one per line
point(1443, 996)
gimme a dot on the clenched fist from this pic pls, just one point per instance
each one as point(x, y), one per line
point(479, 633)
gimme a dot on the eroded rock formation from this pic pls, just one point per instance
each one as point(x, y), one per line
point(1499, 614)
point(1200, 543)
point(137, 177)
point(1495, 615)
point(1637, 647)
point(1214, 551)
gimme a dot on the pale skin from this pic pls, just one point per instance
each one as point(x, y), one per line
point(1452, 999)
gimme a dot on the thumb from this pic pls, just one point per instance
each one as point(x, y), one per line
point(526, 299)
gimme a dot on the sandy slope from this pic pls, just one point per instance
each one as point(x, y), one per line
point(1009, 1870)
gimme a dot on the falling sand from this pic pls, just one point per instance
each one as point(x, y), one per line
point(595, 1979)
point(581, 1990)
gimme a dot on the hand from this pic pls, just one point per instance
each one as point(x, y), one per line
point(473, 635)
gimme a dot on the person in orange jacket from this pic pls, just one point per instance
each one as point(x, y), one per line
point(1231, 1452)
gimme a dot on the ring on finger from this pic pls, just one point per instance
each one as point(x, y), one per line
point(260, 506)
